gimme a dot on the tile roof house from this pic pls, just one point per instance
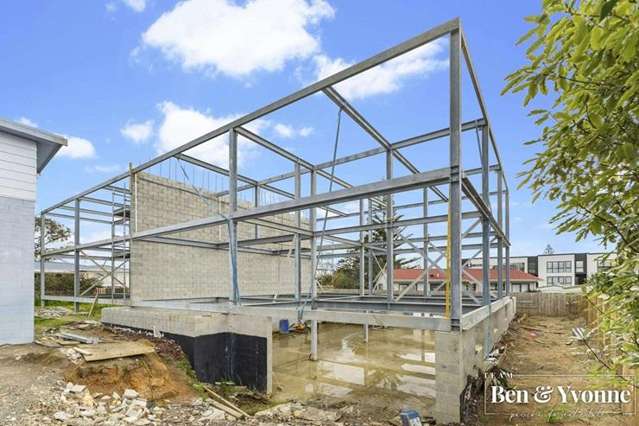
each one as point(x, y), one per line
point(520, 281)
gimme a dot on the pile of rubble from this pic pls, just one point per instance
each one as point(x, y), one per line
point(75, 405)
point(51, 312)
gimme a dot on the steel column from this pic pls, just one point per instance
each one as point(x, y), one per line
point(500, 241)
point(390, 263)
point(362, 270)
point(424, 242)
point(454, 207)
point(370, 251)
point(76, 256)
point(312, 220)
point(485, 224)
point(297, 279)
point(232, 224)
point(508, 287)
point(256, 203)
point(485, 238)
point(42, 268)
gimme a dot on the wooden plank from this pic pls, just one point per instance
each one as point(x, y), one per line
point(104, 351)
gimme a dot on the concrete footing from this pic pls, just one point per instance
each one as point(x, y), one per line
point(218, 346)
point(460, 355)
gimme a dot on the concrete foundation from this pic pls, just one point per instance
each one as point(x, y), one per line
point(460, 355)
point(218, 346)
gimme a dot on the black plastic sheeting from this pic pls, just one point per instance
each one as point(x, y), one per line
point(239, 358)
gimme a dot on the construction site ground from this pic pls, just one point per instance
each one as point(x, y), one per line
point(50, 382)
point(546, 348)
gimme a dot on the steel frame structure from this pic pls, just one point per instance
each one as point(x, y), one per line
point(425, 311)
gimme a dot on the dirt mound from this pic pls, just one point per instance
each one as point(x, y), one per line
point(147, 374)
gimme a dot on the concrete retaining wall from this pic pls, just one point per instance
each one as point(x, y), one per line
point(219, 346)
point(460, 354)
point(163, 271)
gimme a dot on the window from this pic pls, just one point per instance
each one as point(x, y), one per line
point(579, 267)
point(520, 266)
point(603, 265)
point(563, 281)
point(557, 267)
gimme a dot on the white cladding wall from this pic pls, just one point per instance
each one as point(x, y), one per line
point(16, 270)
point(543, 267)
point(17, 167)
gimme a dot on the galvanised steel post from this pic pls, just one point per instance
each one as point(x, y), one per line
point(256, 203)
point(508, 287)
point(485, 238)
point(297, 240)
point(76, 256)
point(232, 209)
point(312, 223)
point(425, 242)
point(500, 241)
point(362, 265)
point(371, 269)
point(42, 269)
point(454, 206)
point(485, 224)
point(390, 263)
point(312, 220)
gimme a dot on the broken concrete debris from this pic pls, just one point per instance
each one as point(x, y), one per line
point(76, 405)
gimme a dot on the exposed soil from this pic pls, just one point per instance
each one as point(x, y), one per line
point(543, 346)
point(152, 378)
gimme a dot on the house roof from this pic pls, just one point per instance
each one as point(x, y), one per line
point(440, 275)
point(47, 143)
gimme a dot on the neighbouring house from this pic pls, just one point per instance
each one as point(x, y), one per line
point(520, 281)
point(557, 270)
point(24, 153)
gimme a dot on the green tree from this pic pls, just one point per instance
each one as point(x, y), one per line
point(53, 232)
point(585, 56)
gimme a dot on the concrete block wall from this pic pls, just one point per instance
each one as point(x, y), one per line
point(167, 271)
point(16, 270)
point(460, 354)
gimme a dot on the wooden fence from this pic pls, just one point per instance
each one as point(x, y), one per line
point(573, 305)
point(551, 304)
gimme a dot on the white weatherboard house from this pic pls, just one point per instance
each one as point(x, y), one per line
point(24, 152)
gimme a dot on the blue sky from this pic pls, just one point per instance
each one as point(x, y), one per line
point(127, 79)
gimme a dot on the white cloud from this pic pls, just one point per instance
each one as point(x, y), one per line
point(236, 40)
point(305, 131)
point(27, 122)
point(111, 7)
point(77, 148)
point(138, 132)
point(284, 130)
point(103, 168)
point(135, 5)
point(181, 125)
point(387, 77)
point(288, 132)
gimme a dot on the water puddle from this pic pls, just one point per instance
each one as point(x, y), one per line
point(394, 370)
